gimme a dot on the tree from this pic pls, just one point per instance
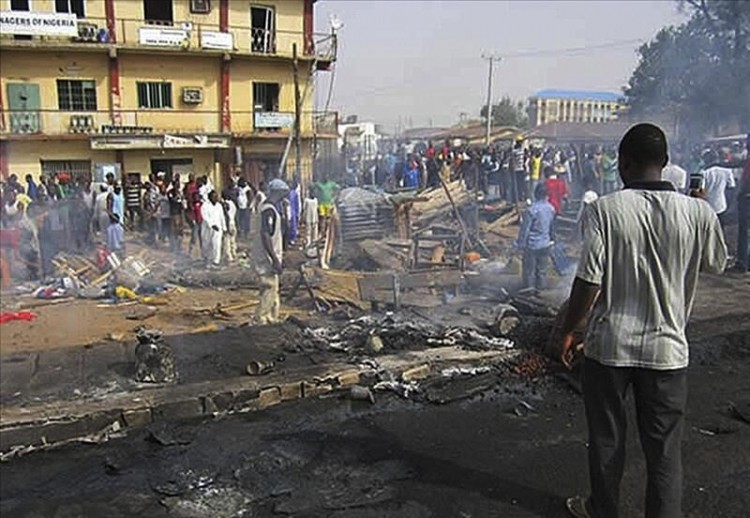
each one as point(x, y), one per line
point(506, 113)
point(697, 71)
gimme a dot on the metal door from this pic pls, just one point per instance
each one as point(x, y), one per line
point(23, 105)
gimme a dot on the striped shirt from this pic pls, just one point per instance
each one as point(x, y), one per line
point(644, 247)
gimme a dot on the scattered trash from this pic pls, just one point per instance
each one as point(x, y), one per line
point(257, 368)
point(741, 415)
point(374, 343)
point(360, 393)
point(522, 409)
point(405, 390)
point(154, 360)
point(452, 372)
point(25, 316)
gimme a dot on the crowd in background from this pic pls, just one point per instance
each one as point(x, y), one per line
point(185, 215)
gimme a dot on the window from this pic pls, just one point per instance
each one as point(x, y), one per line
point(263, 25)
point(154, 95)
point(19, 5)
point(158, 11)
point(75, 95)
point(67, 171)
point(71, 6)
point(266, 97)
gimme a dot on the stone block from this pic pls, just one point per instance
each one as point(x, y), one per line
point(348, 378)
point(290, 391)
point(417, 373)
point(244, 398)
point(183, 409)
point(315, 389)
point(209, 407)
point(137, 417)
point(222, 401)
point(269, 397)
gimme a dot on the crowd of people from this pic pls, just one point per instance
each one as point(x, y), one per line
point(40, 220)
point(541, 181)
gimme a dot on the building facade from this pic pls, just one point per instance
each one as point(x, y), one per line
point(573, 106)
point(144, 86)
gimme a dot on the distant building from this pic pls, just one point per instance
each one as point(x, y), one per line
point(360, 138)
point(573, 106)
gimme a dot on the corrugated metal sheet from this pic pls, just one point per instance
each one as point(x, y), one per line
point(364, 214)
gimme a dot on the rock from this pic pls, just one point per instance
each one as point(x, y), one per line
point(374, 343)
point(506, 320)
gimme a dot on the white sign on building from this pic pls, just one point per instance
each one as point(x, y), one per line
point(159, 37)
point(274, 120)
point(217, 40)
point(31, 23)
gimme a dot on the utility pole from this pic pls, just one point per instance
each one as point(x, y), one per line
point(297, 115)
point(491, 58)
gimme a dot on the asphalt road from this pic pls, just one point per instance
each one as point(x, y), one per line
point(486, 456)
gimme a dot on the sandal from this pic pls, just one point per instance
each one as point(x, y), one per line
point(576, 506)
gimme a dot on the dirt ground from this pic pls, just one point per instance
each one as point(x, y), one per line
point(515, 450)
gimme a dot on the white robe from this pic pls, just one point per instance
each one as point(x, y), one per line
point(213, 216)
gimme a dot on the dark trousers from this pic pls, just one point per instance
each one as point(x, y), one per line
point(660, 399)
point(743, 233)
point(534, 267)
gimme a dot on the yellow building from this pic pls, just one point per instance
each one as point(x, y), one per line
point(142, 86)
point(573, 106)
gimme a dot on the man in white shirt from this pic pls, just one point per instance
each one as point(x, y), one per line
point(214, 226)
point(244, 192)
point(716, 181)
point(643, 249)
point(229, 241)
point(675, 175)
point(310, 216)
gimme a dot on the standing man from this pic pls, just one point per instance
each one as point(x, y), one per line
point(229, 241)
point(716, 180)
point(310, 212)
point(213, 228)
point(643, 249)
point(675, 175)
point(268, 250)
point(295, 208)
point(518, 166)
point(743, 217)
point(609, 172)
point(176, 209)
point(32, 191)
point(244, 193)
point(535, 239)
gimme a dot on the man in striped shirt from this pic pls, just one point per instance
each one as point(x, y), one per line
point(643, 249)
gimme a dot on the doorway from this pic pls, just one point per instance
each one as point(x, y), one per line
point(171, 167)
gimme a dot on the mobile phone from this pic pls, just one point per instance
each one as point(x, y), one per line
point(696, 182)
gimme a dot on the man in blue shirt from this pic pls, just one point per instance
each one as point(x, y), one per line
point(535, 239)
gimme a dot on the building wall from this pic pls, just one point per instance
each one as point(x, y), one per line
point(24, 157)
point(94, 8)
point(181, 71)
point(543, 111)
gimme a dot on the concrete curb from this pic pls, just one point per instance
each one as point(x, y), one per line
point(43, 425)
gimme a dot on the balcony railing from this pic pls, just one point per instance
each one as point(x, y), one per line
point(189, 36)
point(143, 122)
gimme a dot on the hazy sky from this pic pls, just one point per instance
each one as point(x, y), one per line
point(422, 59)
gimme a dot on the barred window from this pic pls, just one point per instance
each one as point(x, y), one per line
point(154, 95)
point(75, 95)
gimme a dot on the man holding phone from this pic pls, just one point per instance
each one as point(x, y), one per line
point(643, 249)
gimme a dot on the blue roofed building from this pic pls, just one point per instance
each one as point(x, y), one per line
point(548, 106)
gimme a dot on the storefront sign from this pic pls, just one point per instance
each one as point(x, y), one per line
point(274, 120)
point(160, 37)
point(100, 142)
point(38, 24)
point(217, 40)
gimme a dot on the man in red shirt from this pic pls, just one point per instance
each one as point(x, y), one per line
point(194, 217)
point(556, 187)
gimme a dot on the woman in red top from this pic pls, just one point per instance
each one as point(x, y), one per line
point(556, 187)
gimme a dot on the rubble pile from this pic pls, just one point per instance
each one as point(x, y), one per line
point(392, 332)
point(154, 360)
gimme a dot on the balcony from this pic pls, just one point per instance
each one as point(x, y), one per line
point(20, 124)
point(186, 37)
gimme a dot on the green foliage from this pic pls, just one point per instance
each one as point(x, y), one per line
point(698, 70)
point(507, 113)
